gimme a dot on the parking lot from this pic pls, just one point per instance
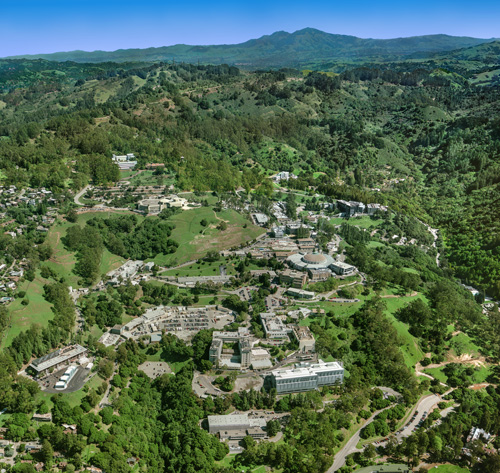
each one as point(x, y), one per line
point(47, 384)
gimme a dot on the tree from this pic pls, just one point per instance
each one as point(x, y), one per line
point(47, 453)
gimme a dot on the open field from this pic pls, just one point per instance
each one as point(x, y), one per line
point(196, 240)
point(38, 311)
point(411, 351)
point(362, 222)
point(448, 469)
point(204, 268)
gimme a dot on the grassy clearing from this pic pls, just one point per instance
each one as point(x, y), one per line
point(449, 469)
point(480, 374)
point(362, 222)
point(147, 178)
point(203, 269)
point(409, 347)
point(462, 343)
point(38, 311)
point(196, 240)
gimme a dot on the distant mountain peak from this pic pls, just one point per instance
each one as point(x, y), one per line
point(304, 47)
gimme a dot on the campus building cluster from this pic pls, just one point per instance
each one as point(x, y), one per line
point(235, 350)
point(154, 205)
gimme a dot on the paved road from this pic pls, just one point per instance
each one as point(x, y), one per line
point(82, 192)
point(424, 405)
point(350, 446)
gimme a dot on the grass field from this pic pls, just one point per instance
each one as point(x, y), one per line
point(410, 349)
point(147, 178)
point(462, 343)
point(38, 311)
point(362, 222)
point(480, 374)
point(195, 240)
point(203, 269)
point(449, 469)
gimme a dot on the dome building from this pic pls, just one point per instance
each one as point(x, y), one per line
point(317, 265)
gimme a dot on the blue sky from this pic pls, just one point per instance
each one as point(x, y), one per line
point(44, 26)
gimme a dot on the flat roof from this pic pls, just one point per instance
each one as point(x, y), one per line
point(236, 420)
point(56, 357)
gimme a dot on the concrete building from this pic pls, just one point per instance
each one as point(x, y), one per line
point(342, 269)
point(274, 327)
point(125, 162)
point(371, 209)
point(237, 426)
point(260, 219)
point(300, 293)
point(292, 278)
point(156, 205)
point(125, 272)
point(307, 343)
point(304, 261)
point(241, 355)
point(307, 376)
point(319, 274)
point(351, 208)
point(56, 359)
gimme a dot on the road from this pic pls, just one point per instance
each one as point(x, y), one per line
point(82, 192)
point(350, 446)
point(424, 405)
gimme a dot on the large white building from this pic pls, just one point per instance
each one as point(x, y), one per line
point(308, 376)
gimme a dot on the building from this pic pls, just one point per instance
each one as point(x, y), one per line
point(351, 208)
point(371, 209)
point(305, 261)
point(237, 426)
point(284, 176)
point(319, 274)
point(238, 352)
point(292, 278)
point(306, 244)
point(56, 359)
point(260, 219)
point(274, 327)
point(156, 205)
point(126, 271)
point(307, 343)
point(300, 293)
point(125, 162)
point(307, 376)
point(342, 269)
point(278, 231)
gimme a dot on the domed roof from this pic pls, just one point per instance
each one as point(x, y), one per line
point(314, 258)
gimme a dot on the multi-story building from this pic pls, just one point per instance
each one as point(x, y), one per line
point(308, 376)
point(342, 269)
point(237, 426)
point(295, 279)
point(274, 326)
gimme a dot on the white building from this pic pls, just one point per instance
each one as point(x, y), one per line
point(308, 376)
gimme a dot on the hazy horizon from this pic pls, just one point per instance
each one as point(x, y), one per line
point(32, 27)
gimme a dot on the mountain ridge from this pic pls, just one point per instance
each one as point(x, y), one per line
point(279, 49)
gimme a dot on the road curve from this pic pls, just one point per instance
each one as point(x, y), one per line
point(82, 192)
point(423, 405)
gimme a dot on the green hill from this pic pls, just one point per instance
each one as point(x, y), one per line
point(305, 47)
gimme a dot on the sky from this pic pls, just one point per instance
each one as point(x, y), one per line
point(45, 26)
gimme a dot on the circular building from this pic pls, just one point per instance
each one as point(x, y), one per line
point(310, 261)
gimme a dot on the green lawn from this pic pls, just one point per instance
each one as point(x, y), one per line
point(203, 269)
point(409, 347)
point(362, 222)
point(38, 310)
point(196, 240)
point(449, 469)
point(462, 343)
point(480, 374)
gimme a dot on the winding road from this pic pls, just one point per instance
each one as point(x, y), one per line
point(424, 405)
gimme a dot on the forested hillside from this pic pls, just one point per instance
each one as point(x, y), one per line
point(426, 141)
